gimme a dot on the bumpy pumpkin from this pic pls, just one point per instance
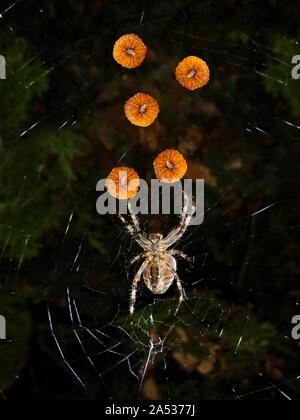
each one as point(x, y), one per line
point(130, 51)
point(141, 110)
point(192, 73)
point(123, 183)
point(170, 166)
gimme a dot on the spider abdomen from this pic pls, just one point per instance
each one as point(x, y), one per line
point(159, 274)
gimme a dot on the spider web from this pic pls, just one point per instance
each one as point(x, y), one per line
point(84, 345)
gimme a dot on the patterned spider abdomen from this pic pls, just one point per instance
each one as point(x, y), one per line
point(159, 274)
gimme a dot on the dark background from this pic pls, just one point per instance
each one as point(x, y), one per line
point(62, 128)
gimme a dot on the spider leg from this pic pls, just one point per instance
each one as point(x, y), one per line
point(184, 222)
point(178, 232)
point(181, 294)
point(135, 283)
point(135, 259)
point(134, 219)
point(181, 255)
point(135, 234)
point(179, 287)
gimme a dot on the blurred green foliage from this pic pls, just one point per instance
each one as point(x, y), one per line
point(16, 95)
point(36, 172)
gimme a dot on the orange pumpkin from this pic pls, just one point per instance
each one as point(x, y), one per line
point(141, 110)
point(192, 73)
point(123, 183)
point(170, 166)
point(130, 51)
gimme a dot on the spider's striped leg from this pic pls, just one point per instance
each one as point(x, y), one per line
point(180, 254)
point(135, 259)
point(135, 283)
point(134, 219)
point(186, 217)
point(178, 232)
point(184, 213)
point(128, 226)
point(179, 287)
point(181, 293)
point(137, 235)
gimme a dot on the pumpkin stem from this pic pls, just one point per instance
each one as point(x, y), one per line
point(123, 181)
point(143, 109)
point(130, 51)
point(192, 74)
point(169, 165)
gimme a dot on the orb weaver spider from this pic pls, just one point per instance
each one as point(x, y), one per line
point(159, 269)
